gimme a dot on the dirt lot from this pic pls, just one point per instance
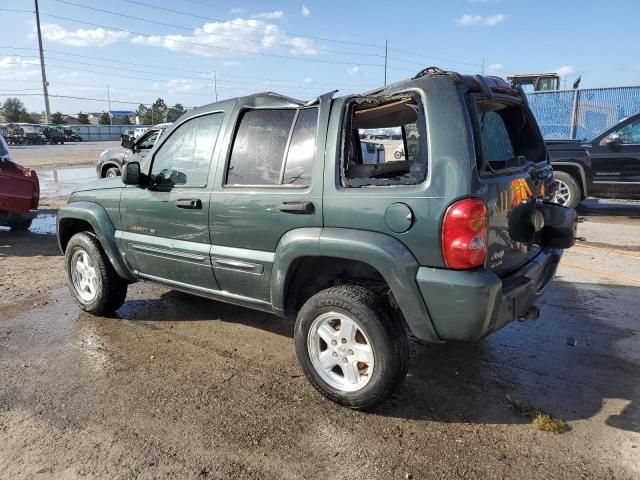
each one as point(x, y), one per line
point(69, 154)
point(181, 387)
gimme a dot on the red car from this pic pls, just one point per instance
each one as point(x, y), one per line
point(19, 192)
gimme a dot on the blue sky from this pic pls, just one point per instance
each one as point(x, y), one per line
point(300, 48)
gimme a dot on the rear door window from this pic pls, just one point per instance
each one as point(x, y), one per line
point(273, 147)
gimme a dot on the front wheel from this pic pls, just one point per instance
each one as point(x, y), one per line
point(568, 193)
point(350, 347)
point(93, 283)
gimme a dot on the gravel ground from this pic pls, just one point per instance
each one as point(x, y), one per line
point(176, 386)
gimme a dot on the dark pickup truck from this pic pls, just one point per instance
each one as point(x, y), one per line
point(606, 167)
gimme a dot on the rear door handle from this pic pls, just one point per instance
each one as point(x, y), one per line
point(191, 203)
point(301, 208)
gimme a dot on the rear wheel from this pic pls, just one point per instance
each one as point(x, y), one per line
point(350, 347)
point(568, 193)
point(112, 172)
point(93, 283)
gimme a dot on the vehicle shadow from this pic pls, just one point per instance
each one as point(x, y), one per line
point(536, 364)
point(609, 208)
point(177, 306)
point(533, 363)
point(40, 240)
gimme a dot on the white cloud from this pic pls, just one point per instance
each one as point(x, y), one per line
point(98, 37)
point(305, 11)
point(230, 63)
point(495, 68)
point(353, 71)
point(564, 71)
point(181, 85)
point(16, 68)
point(230, 38)
point(276, 15)
point(489, 20)
point(308, 80)
point(303, 46)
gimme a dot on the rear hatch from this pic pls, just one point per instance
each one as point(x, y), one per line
point(513, 169)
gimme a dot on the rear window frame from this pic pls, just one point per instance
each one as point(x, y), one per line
point(485, 169)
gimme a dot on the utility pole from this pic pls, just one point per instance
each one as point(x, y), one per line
point(483, 66)
point(109, 102)
point(386, 56)
point(45, 84)
point(215, 84)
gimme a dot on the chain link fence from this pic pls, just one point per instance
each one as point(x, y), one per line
point(582, 114)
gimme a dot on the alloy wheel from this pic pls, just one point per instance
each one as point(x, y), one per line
point(340, 351)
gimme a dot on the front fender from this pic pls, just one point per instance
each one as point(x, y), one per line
point(96, 216)
point(386, 254)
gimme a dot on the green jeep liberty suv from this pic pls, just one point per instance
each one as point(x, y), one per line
point(267, 202)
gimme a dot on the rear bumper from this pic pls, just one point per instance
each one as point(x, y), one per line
point(467, 305)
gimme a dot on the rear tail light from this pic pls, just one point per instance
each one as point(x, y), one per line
point(464, 234)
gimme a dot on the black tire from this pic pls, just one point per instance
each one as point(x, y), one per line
point(112, 172)
point(111, 289)
point(387, 337)
point(574, 190)
point(20, 225)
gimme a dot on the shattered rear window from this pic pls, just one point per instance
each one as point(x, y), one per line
point(384, 142)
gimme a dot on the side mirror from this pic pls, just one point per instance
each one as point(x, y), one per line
point(127, 142)
point(131, 173)
point(612, 139)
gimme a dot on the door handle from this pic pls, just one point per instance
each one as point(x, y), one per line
point(301, 208)
point(191, 203)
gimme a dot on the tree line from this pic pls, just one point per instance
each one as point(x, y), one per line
point(13, 110)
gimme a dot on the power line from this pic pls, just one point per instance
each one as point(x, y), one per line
point(440, 59)
point(201, 17)
point(155, 7)
point(119, 61)
point(81, 98)
point(190, 29)
point(148, 35)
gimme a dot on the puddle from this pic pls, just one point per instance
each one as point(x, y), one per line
point(44, 224)
point(61, 182)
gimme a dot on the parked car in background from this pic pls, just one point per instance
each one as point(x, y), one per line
point(54, 134)
point(268, 202)
point(139, 131)
point(606, 167)
point(110, 161)
point(72, 135)
point(25, 134)
point(19, 192)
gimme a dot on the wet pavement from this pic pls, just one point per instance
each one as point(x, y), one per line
point(183, 387)
point(60, 182)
